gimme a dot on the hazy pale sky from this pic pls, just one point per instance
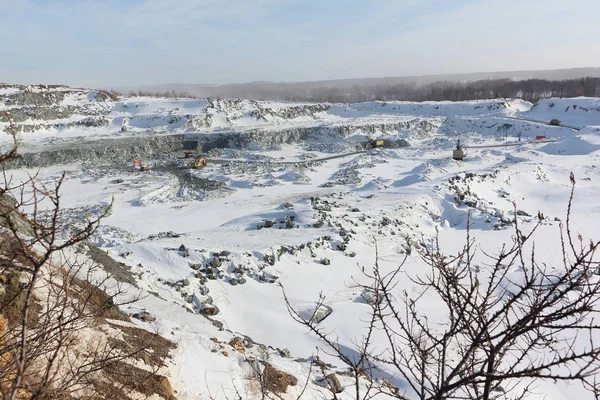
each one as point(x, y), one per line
point(114, 43)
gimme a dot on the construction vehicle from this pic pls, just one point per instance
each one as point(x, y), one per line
point(458, 153)
point(199, 163)
point(374, 143)
point(555, 122)
point(140, 166)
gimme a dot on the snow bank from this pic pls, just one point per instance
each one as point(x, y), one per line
point(579, 111)
point(574, 145)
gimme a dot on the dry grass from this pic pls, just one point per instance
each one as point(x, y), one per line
point(277, 381)
point(153, 348)
point(125, 378)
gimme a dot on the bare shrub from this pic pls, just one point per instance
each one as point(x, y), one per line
point(267, 382)
point(503, 325)
point(53, 304)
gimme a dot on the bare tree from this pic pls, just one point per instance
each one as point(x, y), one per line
point(48, 299)
point(361, 365)
point(504, 324)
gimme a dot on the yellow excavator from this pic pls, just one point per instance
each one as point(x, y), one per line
point(199, 163)
point(375, 143)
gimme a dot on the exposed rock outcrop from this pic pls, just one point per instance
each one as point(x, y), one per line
point(10, 218)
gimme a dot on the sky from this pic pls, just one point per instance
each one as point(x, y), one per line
point(117, 43)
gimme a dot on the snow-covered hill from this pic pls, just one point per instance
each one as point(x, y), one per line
point(446, 108)
point(209, 247)
point(581, 111)
point(63, 112)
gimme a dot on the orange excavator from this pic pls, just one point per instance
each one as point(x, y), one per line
point(141, 167)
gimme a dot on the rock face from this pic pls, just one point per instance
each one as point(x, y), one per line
point(56, 109)
point(280, 136)
point(9, 217)
point(289, 112)
point(395, 143)
point(43, 107)
point(101, 152)
point(35, 98)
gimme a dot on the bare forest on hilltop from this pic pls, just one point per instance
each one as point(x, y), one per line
point(335, 92)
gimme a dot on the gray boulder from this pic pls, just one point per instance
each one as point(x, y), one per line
point(321, 313)
point(333, 383)
point(144, 316)
point(200, 301)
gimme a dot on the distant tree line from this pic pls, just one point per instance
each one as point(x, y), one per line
point(172, 94)
point(530, 90)
point(527, 89)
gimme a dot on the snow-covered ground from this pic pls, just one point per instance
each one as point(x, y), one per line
point(271, 223)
